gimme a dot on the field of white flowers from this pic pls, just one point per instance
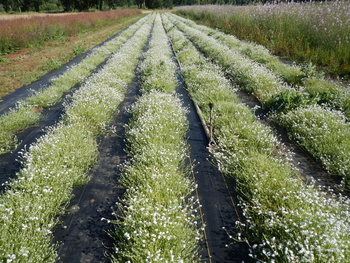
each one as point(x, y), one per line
point(60, 159)
point(287, 221)
point(156, 221)
point(157, 218)
point(280, 96)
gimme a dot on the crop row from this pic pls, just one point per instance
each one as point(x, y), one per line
point(332, 151)
point(309, 86)
point(156, 219)
point(62, 158)
point(28, 111)
point(286, 220)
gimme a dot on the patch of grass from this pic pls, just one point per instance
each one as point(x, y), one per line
point(52, 64)
point(3, 60)
point(78, 50)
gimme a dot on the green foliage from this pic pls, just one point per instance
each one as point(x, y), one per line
point(53, 64)
point(78, 50)
point(3, 60)
point(51, 5)
point(289, 99)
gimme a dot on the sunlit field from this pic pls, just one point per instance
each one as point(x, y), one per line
point(33, 30)
point(156, 213)
point(316, 32)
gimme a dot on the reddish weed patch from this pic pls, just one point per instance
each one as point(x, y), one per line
point(35, 30)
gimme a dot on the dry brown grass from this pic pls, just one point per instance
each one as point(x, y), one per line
point(28, 15)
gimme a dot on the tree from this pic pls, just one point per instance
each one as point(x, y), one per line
point(67, 4)
point(37, 4)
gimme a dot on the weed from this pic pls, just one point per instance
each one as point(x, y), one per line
point(3, 60)
point(78, 50)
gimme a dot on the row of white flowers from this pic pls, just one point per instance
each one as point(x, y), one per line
point(61, 159)
point(27, 112)
point(254, 77)
point(309, 83)
point(286, 220)
point(156, 219)
point(332, 151)
point(290, 73)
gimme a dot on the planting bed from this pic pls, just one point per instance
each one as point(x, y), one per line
point(123, 171)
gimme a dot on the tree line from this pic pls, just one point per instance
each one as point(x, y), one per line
point(10, 6)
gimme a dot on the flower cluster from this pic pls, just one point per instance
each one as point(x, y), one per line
point(324, 133)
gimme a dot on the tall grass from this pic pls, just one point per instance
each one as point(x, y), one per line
point(308, 85)
point(34, 31)
point(316, 31)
